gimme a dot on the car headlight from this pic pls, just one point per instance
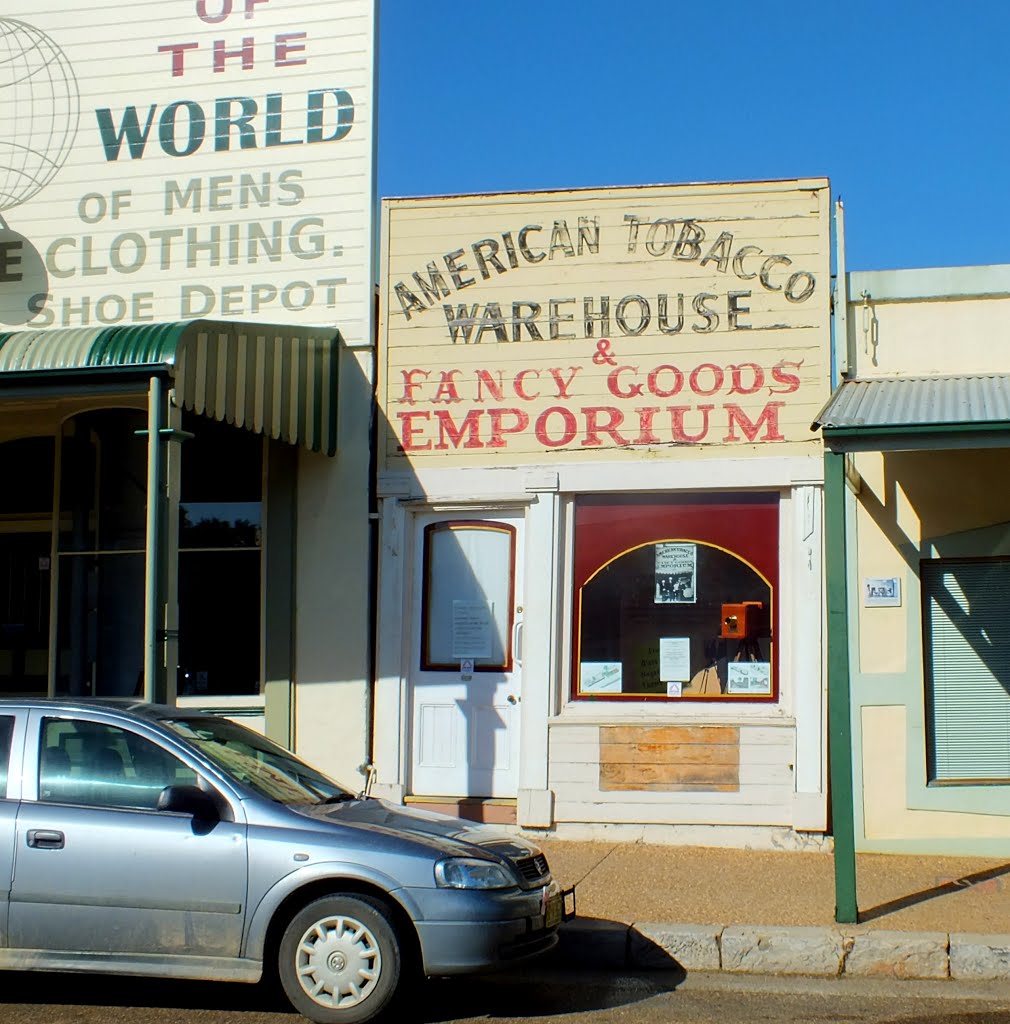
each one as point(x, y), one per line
point(471, 873)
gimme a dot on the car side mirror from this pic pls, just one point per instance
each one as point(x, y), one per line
point(189, 800)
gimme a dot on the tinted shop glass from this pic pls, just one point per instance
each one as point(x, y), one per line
point(103, 482)
point(675, 598)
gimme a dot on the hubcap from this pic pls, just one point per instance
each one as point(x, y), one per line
point(338, 962)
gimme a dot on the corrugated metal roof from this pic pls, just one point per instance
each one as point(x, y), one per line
point(276, 380)
point(46, 350)
point(874, 404)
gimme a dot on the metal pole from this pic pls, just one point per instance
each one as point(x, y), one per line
point(839, 706)
point(153, 543)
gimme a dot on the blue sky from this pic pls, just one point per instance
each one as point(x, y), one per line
point(903, 105)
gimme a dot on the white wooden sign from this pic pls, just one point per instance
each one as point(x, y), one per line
point(185, 159)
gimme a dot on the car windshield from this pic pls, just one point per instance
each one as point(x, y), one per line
point(256, 762)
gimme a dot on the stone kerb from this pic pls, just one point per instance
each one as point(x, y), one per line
point(783, 950)
point(817, 951)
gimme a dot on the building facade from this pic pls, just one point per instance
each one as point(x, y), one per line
point(917, 432)
point(186, 373)
point(600, 563)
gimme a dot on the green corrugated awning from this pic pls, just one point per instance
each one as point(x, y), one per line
point(277, 380)
point(897, 413)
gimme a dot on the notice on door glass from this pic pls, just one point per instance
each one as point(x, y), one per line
point(471, 629)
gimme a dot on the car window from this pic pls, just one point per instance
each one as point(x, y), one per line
point(6, 734)
point(83, 762)
point(254, 761)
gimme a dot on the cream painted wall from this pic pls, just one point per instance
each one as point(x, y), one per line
point(909, 506)
point(930, 338)
point(331, 612)
point(907, 499)
point(885, 813)
point(882, 631)
point(955, 490)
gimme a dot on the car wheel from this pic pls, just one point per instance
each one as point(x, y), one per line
point(339, 960)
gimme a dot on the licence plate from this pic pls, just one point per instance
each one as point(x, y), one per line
point(552, 915)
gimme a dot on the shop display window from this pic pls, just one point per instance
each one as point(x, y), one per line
point(675, 598)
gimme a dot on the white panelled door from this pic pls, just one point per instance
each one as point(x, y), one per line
point(466, 655)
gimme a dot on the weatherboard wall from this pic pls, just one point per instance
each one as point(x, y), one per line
point(524, 328)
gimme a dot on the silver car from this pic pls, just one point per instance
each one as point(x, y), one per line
point(142, 839)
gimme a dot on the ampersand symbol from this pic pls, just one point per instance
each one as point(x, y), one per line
point(603, 354)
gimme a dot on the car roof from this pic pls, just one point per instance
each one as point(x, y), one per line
point(130, 707)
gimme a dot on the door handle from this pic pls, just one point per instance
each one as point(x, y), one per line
point(517, 643)
point(46, 839)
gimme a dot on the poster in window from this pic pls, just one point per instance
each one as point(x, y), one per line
point(751, 677)
point(675, 659)
point(600, 677)
point(676, 573)
point(471, 629)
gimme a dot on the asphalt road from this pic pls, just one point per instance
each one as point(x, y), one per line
point(536, 995)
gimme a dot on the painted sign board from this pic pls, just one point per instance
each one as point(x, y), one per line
point(520, 328)
point(185, 159)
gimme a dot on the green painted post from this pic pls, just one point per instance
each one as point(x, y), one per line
point(152, 543)
point(839, 706)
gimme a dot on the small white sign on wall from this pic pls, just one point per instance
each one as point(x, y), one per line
point(881, 592)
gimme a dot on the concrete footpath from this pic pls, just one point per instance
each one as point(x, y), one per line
point(645, 906)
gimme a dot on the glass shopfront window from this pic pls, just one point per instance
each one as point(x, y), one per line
point(220, 560)
point(102, 524)
point(101, 557)
point(26, 510)
point(675, 597)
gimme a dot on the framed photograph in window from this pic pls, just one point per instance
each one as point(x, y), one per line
point(751, 677)
point(676, 574)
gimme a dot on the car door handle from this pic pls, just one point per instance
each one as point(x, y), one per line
point(46, 839)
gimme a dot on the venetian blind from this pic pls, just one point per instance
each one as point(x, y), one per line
point(967, 655)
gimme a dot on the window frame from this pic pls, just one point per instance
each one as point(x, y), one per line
point(763, 558)
point(487, 525)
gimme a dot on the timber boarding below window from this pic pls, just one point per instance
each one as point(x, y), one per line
point(675, 598)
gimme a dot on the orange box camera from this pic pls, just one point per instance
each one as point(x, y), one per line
point(741, 621)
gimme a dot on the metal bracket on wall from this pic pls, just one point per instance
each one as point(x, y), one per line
point(168, 432)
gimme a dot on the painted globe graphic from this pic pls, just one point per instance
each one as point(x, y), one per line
point(39, 110)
